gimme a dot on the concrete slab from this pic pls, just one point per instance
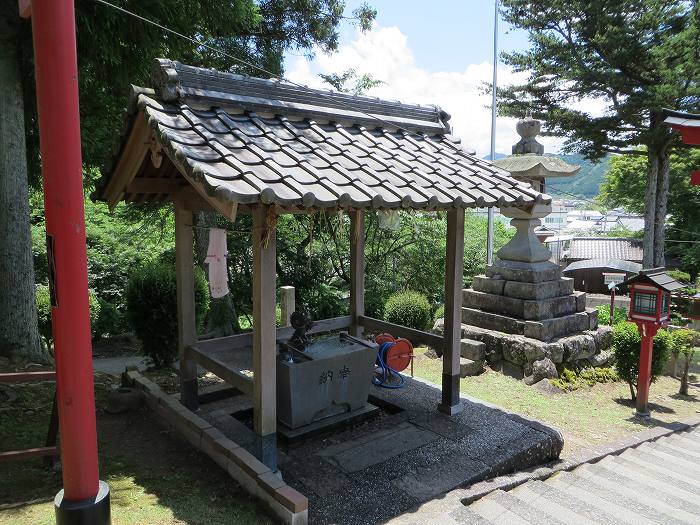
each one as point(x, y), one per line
point(408, 454)
point(116, 365)
point(411, 454)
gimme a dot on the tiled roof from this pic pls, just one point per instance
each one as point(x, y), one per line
point(658, 277)
point(682, 118)
point(605, 248)
point(613, 264)
point(246, 140)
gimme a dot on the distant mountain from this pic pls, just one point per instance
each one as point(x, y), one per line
point(586, 183)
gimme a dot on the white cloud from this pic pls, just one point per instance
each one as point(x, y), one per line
point(385, 54)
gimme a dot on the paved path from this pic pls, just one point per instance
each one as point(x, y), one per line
point(657, 482)
point(116, 365)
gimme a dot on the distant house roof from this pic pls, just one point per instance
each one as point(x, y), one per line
point(243, 140)
point(613, 264)
point(579, 224)
point(657, 277)
point(634, 224)
point(621, 248)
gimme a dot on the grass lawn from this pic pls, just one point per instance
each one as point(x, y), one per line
point(587, 416)
point(155, 477)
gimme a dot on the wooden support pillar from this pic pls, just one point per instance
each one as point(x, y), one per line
point(287, 304)
point(186, 321)
point(357, 270)
point(454, 282)
point(265, 334)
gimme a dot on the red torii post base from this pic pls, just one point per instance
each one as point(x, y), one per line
point(84, 499)
point(647, 331)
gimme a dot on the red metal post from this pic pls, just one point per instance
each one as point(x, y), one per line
point(647, 331)
point(53, 28)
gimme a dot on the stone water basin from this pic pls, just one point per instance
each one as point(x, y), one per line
point(330, 376)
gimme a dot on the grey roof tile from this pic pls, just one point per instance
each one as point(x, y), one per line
point(250, 140)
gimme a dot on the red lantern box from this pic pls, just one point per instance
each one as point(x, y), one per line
point(650, 308)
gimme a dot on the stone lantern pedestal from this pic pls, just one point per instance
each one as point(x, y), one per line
point(524, 311)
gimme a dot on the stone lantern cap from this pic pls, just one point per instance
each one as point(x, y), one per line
point(528, 159)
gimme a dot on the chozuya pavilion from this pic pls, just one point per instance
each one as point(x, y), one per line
point(208, 140)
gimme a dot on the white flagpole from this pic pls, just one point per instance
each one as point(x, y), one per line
point(489, 227)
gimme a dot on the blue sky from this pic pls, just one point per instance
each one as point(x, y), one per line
point(444, 35)
point(442, 55)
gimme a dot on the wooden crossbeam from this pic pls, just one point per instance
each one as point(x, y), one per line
point(168, 186)
point(26, 377)
point(15, 455)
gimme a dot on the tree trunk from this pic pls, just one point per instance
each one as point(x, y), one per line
point(650, 210)
point(661, 207)
point(684, 376)
point(633, 393)
point(19, 330)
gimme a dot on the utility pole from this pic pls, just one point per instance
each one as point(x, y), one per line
point(84, 499)
point(489, 223)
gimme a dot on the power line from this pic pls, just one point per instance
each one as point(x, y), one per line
point(253, 66)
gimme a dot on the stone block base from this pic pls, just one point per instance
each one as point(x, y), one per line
point(514, 354)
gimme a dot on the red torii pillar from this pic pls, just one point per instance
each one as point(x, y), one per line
point(84, 498)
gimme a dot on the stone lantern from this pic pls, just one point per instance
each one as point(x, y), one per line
point(650, 308)
point(528, 162)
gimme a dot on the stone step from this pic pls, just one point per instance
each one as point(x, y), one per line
point(524, 308)
point(548, 329)
point(597, 504)
point(678, 463)
point(518, 504)
point(524, 272)
point(647, 496)
point(474, 350)
point(640, 504)
point(656, 472)
point(661, 461)
point(678, 451)
point(521, 290)
point(491, 321)
point(467, 367)
point(494, 512)
point(635, 479)
point(684, 440)
point(562, 506)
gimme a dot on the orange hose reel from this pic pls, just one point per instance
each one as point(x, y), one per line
point(399, 355)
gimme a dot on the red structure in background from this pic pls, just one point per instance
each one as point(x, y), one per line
point(688, 125)
point(84, 498)
point(650, 308)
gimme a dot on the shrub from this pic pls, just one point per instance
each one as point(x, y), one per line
point(589, 376)
point(620, 315)
point(680, 276)
point(683, 344)
point(626, 346)
point(408, 308)
point(151, 302)
point(43, 307)
point(109, 322)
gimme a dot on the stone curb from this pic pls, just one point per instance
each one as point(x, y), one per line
point(289, 505)
point(593, 455)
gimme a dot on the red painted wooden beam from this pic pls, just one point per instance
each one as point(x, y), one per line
point(695, 178)
point(55, 60)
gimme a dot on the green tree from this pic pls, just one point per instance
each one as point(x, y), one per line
point(625, 185)
point(113, 51)
point(635, 56)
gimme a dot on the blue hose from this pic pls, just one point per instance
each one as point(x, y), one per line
point(386, 371)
